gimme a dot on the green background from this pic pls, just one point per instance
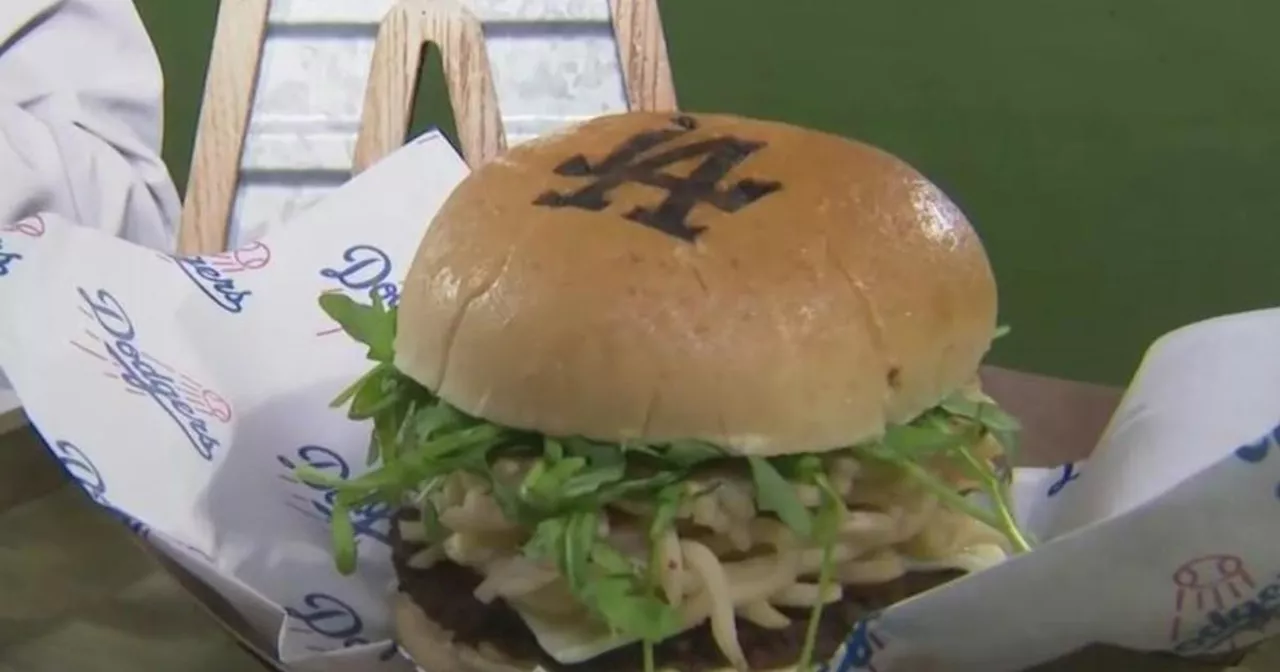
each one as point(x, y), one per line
point(1118, 156)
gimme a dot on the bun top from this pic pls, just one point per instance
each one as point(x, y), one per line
point(763, 287)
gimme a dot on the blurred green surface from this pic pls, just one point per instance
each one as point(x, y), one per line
point(1117, 155)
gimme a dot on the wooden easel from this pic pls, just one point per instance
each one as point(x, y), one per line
point(219, 165)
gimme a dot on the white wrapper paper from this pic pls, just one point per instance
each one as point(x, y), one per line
point(182, 392)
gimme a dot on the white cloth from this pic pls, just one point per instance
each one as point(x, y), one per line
point(80, 123)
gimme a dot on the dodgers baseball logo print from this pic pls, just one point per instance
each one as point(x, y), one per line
point(329, 617)
point(1217, 602)
point(31, 227)
point(367, 271)
point(371, 521)
point(220, 276)
point(111, 337)
point(82, 470)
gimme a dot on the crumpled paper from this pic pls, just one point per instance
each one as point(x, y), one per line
point(182, 392)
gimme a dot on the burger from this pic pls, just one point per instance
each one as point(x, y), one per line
point(685, 392)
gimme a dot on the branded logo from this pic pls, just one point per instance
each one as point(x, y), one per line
point(1257, 451)
point(1216, 602)
point(215, 275)
point(859, 650)
point(632, 162)
point(329, 617)
point(365, 270)
point(7, 259)
point(371, 521)
point(200, 413)
point(82, 470)
point(31, 227)
point(1068, 474)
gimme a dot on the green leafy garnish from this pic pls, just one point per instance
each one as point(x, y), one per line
point(344, 537)
point(373, 325)
point(934, 435)
point(562, 488)
point(776, 495)
point(826, 528)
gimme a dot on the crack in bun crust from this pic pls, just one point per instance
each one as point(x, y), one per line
point(832, 289)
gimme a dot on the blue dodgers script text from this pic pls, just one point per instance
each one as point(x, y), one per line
point(82, 470)
point(215, 285)
point(141, 375)
point(1223, 625)
point(329, 617)
point(368, 269)
point(7, 259)
point(859, 650)
point(1067, 475)
point(370, 521)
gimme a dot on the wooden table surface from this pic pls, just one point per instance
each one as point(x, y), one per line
point(77, 594)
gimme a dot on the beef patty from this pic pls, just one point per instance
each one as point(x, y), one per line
point(445, 594)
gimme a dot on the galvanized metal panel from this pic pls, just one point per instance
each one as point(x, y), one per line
point(553, 61)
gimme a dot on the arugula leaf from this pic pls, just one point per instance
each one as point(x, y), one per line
point(579, 538)
point(343, 532)
point(376, 395)
point(916, 442)
point(472, 444)
point(1003, 426)
point(437, 419)
point(599, 455)
point(687, 454)
point(611, 561)
point(798, 468)
point(544, 543)
point(774, 493)
point(636, 486)
point(553, 449)
point(435, 530)
point(600, 576)
point(664, 515)
point(544, 483)
point(373, 325)
point(826, 528)
point(985, 413)
point(626, 609)
point(349, 393)
point(588, 482)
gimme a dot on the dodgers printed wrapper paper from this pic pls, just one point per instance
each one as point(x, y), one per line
point(182, 393)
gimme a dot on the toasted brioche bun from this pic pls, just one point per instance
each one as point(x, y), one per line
point(853, 295)
point(432, 648)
